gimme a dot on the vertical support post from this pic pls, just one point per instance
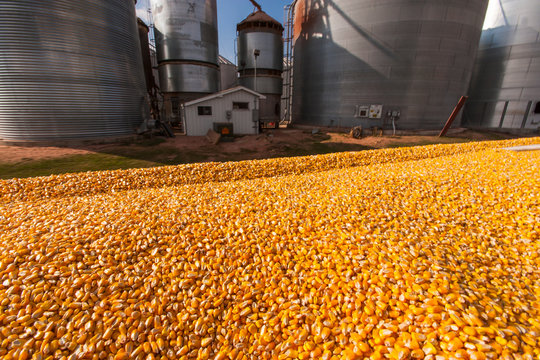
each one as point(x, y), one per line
point(256, 53)
point(452, 117)
point(484, 110)
point(526, 117)
point(504, 113)
point(255, 85)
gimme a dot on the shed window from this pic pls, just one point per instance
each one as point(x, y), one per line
point(537, 108)
point(240, 106)
point(205, 110)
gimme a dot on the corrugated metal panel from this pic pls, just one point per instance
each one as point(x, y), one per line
point(270, 45)
point(242, 119)
point(187, 39)
point(507, 69)
point(69, 70)
point(228, 74)
point(412, 56)
point(265, 84)
point(188, 78)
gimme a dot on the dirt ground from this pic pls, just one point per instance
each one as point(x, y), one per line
point(272, 143)
point(262, 144)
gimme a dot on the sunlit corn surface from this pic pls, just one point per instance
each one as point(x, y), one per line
point(417, 253)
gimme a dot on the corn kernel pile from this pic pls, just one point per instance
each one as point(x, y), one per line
point(418, 253)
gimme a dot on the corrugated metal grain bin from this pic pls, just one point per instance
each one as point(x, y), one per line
point(187, 51)
point(69, 69)
point(505, 90)
point(356, 60)
point(260, 62)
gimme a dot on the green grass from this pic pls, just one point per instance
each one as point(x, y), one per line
point(127, 157)
point(112, 159)
point(69, 164)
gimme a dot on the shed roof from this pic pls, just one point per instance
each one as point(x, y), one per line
point(225, 92)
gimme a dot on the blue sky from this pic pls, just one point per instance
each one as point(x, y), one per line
point(230, 13)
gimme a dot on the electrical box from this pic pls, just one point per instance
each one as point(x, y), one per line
point(362, 111)
point(375, 111)
point(228, 114)
point(224, 129)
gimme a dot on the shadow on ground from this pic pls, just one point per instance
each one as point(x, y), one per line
point(159, 151)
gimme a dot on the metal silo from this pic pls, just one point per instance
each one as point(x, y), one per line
point(187, 50)
point(505, 89)
point(69, 69)
point(260, 62)
point(360, 62)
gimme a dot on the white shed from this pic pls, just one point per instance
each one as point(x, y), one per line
point(238, 106)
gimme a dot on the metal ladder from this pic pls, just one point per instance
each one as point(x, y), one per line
point(151, 33)
point(288, 63)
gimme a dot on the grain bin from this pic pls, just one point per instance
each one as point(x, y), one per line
point(505, 90)
point(357, 60)
point(69, 70)
point(260, 62)
point(187, 50)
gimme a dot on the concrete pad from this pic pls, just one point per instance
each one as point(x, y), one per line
point(534, 147)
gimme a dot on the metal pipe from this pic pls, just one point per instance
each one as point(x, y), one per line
point(255, 74)
point(256, 53)
point(455, 113)
point(256, 5)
